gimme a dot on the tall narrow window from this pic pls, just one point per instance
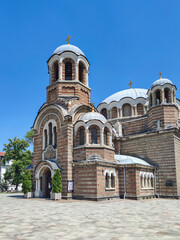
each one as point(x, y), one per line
point(126, 108)
point(104, 112)
point(158, 97)
point(167, 95)
point(114, 112)
point(45, 138)
point(50, 133)
point(107, 180)
point(81, 70)
point(55, 71)
point(112, 181)
point(81, 136)
point(55, 137)
point(105, 137)
point(68, 70)
point(94, 135)
point(140, 109)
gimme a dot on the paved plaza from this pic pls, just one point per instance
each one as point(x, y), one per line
point(83, 220)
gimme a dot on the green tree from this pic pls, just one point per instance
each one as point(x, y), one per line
point(16, 150)
point(29, 136)
point(3, 185)
point(26, 182)
point(57, 182)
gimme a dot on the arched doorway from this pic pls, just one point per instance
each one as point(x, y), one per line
point(47, 181)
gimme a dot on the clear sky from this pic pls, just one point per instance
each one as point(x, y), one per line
point(123, 40)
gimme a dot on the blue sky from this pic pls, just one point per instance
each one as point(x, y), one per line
point(123, 40)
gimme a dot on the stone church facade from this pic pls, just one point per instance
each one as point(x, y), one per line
point(129, 147)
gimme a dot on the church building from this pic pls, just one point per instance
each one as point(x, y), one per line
point(129, 147)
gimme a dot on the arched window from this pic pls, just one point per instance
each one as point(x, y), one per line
point(68, 70)
point(50, 133)
point(107, 180)
point(55, 72)
point(45, 138)
point(167, 95)
point(112, 180)
point(55, 137)
point(114, 112)
point(150, 100)
point(81, 136)
point(158, 97)
point(140, 109)
point(104, 112)
point(94, 135)
point(126, 109)
point(105, 136)
point(142, 181)
point(81, 72)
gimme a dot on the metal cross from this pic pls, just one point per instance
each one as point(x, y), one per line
point(130, 84)
point(93, 108)
point(160, 74)
point(68, 39)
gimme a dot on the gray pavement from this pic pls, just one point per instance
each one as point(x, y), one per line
point(83, 220)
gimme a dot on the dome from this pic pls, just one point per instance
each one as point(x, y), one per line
point(68, 47)
point(128, 93)
point(161, 82)
point(93, 116)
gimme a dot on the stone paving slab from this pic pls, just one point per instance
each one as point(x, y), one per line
point(22, 219)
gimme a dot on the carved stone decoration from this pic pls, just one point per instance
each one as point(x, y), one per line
point(50, 153)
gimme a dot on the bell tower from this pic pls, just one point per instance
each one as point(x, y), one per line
point(68, 70)
point(163, 110)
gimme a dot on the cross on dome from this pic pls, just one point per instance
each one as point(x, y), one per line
point(93, 108)
point(130, 84)
point(68, 39)
point(160, 74)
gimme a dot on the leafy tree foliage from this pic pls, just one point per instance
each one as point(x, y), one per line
point(16, 150)
point(29, 136)
point(57, 182)
point(3, 185)
point(26, 182)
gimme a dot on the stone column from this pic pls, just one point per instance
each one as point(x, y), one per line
point(135, 110)
point(87, 136)
point(153, 100)
point(76, 72)
point(110, 139)
point(102, 137)
point(172, 97)
point(162, 95)
point(120, 112)
point(37, 192)
point(60, 71)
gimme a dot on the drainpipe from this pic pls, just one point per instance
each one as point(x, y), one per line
point(155, 187)
point(124, 181)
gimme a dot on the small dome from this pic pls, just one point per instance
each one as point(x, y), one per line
point(161, 82)
point(93, 116)
point(68, 47)
point(128, 93)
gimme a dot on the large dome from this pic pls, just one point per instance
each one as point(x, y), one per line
point(128, 93)
point(92, 116)
point(161, 82)
point(68, 47)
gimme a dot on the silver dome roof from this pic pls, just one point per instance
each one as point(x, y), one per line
point(93, 116)
point(68, 47)
point(128, 93)
point(161, 82)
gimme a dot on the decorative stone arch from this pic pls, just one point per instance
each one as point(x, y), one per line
point(95, 122)
point(57, 111)
point(39, 174)
point(78, 125)
point(76, 111)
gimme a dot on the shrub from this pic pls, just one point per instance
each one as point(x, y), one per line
point(57, 182)
point(26, 182)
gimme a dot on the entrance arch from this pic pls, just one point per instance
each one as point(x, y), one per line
point(44, 172)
